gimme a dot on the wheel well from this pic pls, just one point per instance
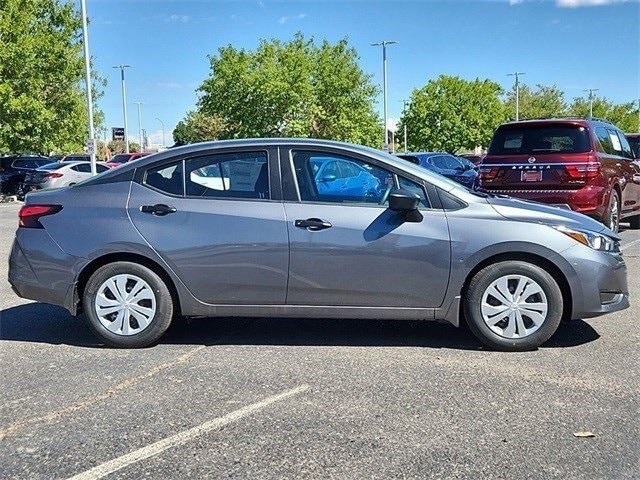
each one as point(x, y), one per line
point(95, 264)
point(534, 259)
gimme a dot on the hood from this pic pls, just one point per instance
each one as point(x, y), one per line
point(534, 212)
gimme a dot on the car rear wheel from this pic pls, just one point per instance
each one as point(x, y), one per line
point(127, 305)
point(612, 217)
point(513, 306)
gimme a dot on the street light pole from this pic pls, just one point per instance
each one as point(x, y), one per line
point(140, 124)
point(404, 123)
point(162, 123)
point(87, 75)
point(384, 44)
point(517, 75)
point(124, 107)
point(591, 90)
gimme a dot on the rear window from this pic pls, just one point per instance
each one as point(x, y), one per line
point(121, 158)
point(52, 166)
point(537, 139)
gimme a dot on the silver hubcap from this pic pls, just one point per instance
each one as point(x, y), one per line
point(614, 215)
point(125, 304)
point(514, 306)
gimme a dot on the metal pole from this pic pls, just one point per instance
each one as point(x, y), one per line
point(591, 90)
point(517, 75)
point(384, 86)
point(140, 125)
point(87, 74)
point(162, 123)
point(124, 107)
point(639, 115)
point(404, 122)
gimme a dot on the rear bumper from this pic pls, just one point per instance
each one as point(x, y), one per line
point(590, 200)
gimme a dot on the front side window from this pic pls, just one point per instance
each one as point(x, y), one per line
point(626, 148)
point(333, 178)
point(237, 175)
point(416, 188)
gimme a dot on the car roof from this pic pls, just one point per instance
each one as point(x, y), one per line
point(579, 121)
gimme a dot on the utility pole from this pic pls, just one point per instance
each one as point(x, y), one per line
point(591, 96)
point(404, 123)
point(162, 123)
point(91, 144)
point(384, 44)
point(124, 107)
point(140, 125)
point(517, 75)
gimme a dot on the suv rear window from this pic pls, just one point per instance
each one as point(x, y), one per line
point(536, 139)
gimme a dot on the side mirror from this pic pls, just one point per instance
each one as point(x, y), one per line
point(403, 201)
point(328, 178)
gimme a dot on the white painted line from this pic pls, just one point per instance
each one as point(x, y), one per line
point(183, 437)
point(624, 247)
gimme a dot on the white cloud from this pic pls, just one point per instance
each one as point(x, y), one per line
point(284, 20)
point(177, 18)
point(155, 138)
point(515, 2)
point(585, 3)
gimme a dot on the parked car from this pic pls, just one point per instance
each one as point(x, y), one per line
point(76, 157)
point(445, 164)
point(122, 158)
point(13, 169)
point(586, 165)
point(634, 143)
point(59, 174)
point(150, 243)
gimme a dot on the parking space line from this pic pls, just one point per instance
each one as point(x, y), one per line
point(82, 404)
point(635, 242)
point(183, 437)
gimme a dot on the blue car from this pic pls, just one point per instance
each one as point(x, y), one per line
point(455, 168)
point(341, 178)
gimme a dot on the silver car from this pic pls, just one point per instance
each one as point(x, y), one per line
point(136, 246)
point(59, 174)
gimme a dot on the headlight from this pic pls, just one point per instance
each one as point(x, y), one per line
point(591, 239)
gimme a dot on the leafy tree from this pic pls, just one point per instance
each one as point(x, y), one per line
point(42, 102)
point(117, 146)
point(543, 102)
point(450, 114)
point(198, 127)
point(291, 89)
point(623, 115)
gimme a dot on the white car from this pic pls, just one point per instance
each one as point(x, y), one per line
point(60, 174)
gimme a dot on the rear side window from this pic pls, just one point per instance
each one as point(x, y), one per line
point(605, 140)
point(166, 178)
point(82, 168)
point(52, 166)
point(626, 148)
point(539, 139)
point(237, 175)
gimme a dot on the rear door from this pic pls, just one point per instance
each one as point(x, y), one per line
point(351, 250)
point(216, 219)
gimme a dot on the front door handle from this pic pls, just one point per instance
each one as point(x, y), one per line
point(159, 209)
point(312, 224)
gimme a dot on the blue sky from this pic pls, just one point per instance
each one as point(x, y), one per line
point(570, 43)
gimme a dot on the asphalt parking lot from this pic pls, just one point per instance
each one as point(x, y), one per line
point(280, 398)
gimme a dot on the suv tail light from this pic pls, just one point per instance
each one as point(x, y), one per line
point(584, 171)
point(488, 173)
point(30, 215)
point(53, 175)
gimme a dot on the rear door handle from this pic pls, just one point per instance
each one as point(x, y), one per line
point(159, 209)
point(312, 224)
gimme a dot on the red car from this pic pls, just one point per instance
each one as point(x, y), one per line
point(123, 158)
point(586, 165)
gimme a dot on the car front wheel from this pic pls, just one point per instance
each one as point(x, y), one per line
point(513, 306)
point(127, 305)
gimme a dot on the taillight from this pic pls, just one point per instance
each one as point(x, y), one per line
point(584, 171)
point(53, 175)
point(30, 215)
point(488, 173)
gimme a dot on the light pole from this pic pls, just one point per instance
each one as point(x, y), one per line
point(124, 107)
point(384, 44)
point(87, 77)
point(639, 115)
point(517, 75)
point(140, 124)
point(404, 123)
point(162, 123)
point(591, 90)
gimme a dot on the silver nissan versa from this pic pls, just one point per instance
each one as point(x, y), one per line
point(308, 228)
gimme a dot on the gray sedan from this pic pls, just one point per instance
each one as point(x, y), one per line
point(136, 246)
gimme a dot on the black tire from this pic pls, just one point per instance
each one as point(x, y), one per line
point(611, 219)
point(634, 222)
point(482, 281)
point(158, 323)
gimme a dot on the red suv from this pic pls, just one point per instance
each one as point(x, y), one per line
point(586, 165)
point(122, 158)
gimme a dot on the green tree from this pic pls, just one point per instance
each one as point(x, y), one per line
point(623, 115)
point(291, 89)
point(543, 102)
point(450, 114)
point(117, 146)
point(198, 127)
point(42, 102)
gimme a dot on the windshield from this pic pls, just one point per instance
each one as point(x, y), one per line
point(536, 139)
point(120, 158)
